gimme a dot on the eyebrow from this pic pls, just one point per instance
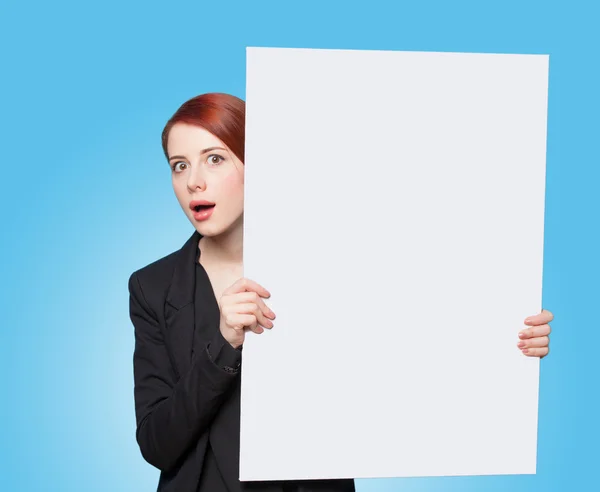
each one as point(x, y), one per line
point(204, 151)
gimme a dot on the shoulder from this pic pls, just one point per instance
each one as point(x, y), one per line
point(152, 281)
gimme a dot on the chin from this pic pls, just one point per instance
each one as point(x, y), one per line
point(207, 229)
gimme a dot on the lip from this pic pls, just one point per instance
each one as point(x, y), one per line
point(202, 214)
point(195, 203)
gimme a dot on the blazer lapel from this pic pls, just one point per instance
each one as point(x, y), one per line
point(180, 319)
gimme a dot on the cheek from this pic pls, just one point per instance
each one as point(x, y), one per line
point(180, 191)
point(233, 186)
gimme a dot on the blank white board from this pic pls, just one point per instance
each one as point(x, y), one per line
point(394, 207)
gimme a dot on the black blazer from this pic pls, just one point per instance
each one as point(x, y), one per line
point(186, 399)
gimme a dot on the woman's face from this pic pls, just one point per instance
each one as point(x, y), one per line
point(208, 179)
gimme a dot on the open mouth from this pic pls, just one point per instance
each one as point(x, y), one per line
point(201, 209)
point(201, 205)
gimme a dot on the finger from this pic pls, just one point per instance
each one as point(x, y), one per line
point(534, 342)
point(543, 318)
point(536, 352)
point(535, 331)
point(245, 322)
point(245, 297)
point(239, 321)
point(254, 328)
point(251, 308)
point(247, 285)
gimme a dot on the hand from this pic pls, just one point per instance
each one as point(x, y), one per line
point(242, 309)
point(535, 340)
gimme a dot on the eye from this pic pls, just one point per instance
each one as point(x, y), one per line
point(214, 159)
point(176, 166)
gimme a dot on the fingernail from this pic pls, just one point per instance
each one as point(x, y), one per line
point(521, 335)
point(528, 320)
point(525, 351)
point(521, 344)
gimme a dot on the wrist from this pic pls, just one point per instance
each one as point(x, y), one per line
point(236, 345)
point(234, 342)
point(224, 354)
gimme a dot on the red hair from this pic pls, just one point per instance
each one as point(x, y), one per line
point(223, 115)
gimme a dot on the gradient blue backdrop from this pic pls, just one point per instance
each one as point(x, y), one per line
point(86, 199)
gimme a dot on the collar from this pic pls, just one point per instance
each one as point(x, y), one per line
point(181, 290)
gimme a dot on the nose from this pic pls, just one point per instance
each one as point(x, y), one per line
point(196, 179)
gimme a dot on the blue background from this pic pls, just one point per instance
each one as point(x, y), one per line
point(86, 199)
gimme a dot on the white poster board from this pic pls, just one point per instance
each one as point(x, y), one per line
point(395, 210)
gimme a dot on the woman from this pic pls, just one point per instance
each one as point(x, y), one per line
point(191, 310)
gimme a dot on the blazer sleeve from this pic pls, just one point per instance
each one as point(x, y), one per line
point(171, 414)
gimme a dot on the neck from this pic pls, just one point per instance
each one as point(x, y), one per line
point(226, 247)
